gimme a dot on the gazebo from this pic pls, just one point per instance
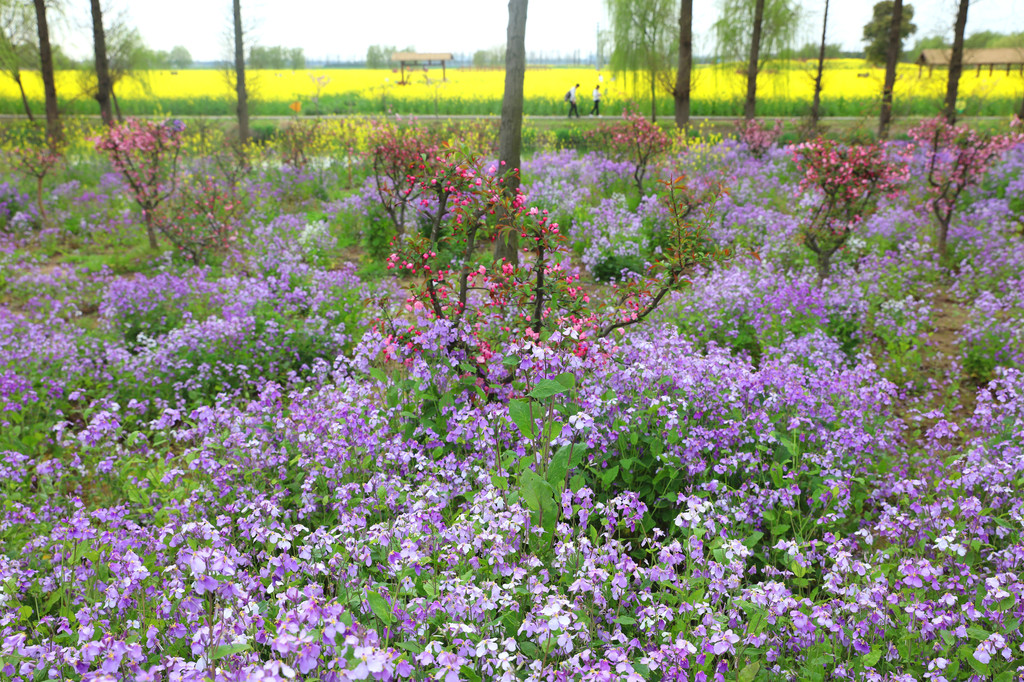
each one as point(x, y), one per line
point(412, 59)
point(991, 57)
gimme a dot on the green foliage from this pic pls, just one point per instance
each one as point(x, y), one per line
point(733, 33)
point(276, 57)
point(645, 41)
point(876, 31)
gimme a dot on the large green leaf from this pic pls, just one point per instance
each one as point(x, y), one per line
point(380, 607)
point(520, 413)
point(561, 463)
point(546, 388)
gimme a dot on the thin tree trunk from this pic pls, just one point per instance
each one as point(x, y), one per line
point(956, 62)
point(53, 133)
point(510, 137)
point(243, 98)
point(891, 58)
point(682, 89)
point(750, 106)
point(117, 107)
point(1020, 114)
point(103, 84)
point(654, 100)
point(816, 104)
point(24, 99)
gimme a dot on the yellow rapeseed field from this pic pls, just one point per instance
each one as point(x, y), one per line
point(844, 78)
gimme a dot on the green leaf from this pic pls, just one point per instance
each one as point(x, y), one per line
point(977, 633)
point(567, 379)
point(411, 647)
point(979, 667)
point(749, 672)
point(626, 620)
point(871, 658)
point(560, 464)
point(798, 570)
point(609, 475)
point(469, 674)
point(511, 361)
point(751, 541)
point(534, 489)
point(530, 650)
point(223, 650)
point(379, 606)
point(546, 388)
point(519, 412)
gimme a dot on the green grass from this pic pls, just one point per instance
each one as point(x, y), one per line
point(456, 106)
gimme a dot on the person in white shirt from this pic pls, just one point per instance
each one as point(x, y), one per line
point(572, 101)
point(596, 111)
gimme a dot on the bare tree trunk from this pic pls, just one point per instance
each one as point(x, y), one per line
point(891, 58)
point(1020, 114)
point(510, 138)
point(654, 101)
point(53, 132)
point(24, 99)
point(117, 107)
point(682, 89)
point(243, 98)
point(816, 104)
point(103, 85)
point(956, 61)
point(750, 106)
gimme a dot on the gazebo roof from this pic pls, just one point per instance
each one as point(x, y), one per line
point(421, 57)
point(990, 56)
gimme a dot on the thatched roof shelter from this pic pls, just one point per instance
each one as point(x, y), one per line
point(412, 59)
point(1010, 57)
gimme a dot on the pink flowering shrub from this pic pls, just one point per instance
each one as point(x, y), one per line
point(201, 218)
point(955, 159)
point(845, 183)
point(757, 137)
point(540, 300)
point(146, 154)
point(633, 139)
point(403, 157)
point(31, 156)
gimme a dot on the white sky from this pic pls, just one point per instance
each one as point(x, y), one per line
point(345, 28)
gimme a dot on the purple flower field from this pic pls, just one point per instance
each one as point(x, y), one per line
point(234, 468)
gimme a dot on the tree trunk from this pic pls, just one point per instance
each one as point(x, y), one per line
point(891, 57)
point(682, 89)
point(1020, 114)
point(117, 107)
point(654, 100)
point(956, 62)
point(816, 104)
point(243, 98)
point(750, 106)
point(103, 85)
point(510, 140)
point(53, 133)
point(24, 99)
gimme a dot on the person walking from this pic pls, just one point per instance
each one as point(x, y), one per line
point(596, 111)
point(571, 95)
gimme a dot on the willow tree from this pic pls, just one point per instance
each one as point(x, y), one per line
point(17, 44)
point(53, 132)
point(643, 42)
point(895, 45)
point(755, 31)
point(103, 84)
point(242, 107)
point(956, 62)
point(681, 91)
point(510, 136)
